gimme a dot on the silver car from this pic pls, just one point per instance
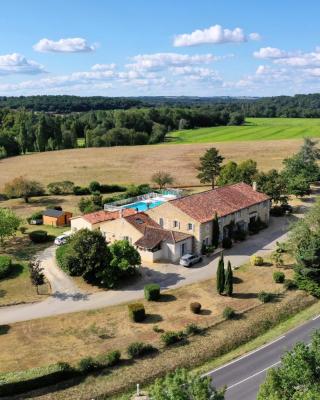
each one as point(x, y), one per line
point(190, 259)
point(62, 239)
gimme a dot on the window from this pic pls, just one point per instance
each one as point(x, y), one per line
point(127, 238)
point(161, 223)
point(190, 227)
point(176, 224)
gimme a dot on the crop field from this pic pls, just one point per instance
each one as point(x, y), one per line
point(136, 164)
point(254, 129)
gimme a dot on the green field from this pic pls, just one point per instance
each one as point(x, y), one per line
point(254, 129)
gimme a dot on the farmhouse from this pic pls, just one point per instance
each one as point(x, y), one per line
point(180, 226)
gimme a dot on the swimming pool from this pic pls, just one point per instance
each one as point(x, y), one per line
point(143, 205)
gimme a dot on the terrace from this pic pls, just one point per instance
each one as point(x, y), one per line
point(146, 201)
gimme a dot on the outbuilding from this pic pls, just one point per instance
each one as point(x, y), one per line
point(56, 217)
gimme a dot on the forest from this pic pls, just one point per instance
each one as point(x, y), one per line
point(24, 131)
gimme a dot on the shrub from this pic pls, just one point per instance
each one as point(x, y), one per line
point(195, 307)
point(157, 329)
point(5, 266)
point(37, 216)
point(265, 297)
point(87, 364)
point(137, 312)
point(39, 236)
point(94, 186)
point(152, 292)
point(226, 243)
point(112, 188)
point(171, 337)
point(278, 276)
point(239, 235)
point(139, 349)
point(228, 313)
point(80, 191)
point(289, 284)
point(192, 329)
point(113, 358)
point(23, 229)
point(256, 260)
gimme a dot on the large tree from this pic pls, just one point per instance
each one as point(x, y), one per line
point(9, 224)
point(210, 166)
point(182, 385)
point(24, 188)
point(162, 179)
point(297, 378)
point(220, 275)
point(273, 184)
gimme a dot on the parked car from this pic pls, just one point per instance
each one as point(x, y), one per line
point(190, 259)
point(62, 239)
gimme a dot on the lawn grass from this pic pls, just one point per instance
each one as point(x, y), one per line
point(254, 129)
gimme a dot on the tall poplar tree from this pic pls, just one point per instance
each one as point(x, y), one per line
point(220, 275)
point(228, 286)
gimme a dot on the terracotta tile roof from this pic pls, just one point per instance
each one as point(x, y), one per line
point(223, 201)
point(141, 220)
point(102, 216)
point(154, 236)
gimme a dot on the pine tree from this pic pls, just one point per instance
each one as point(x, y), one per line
point(215, 231)
point(228, 287)
point(220, 275)
point(210, 166)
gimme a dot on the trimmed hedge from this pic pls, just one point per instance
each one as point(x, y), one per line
point(152, 292)
point(137, 313)
point(39, 236)
point(278, 277)
point(24, 381)
point(256, 260)
point(5, 266)
point(195, 307)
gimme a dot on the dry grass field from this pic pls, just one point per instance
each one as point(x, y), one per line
point(136, 164)
point(73, 336)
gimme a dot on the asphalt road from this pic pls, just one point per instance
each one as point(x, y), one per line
point(244, 375)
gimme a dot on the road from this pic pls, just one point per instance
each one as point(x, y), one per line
point(67, 298)
point(244, 375)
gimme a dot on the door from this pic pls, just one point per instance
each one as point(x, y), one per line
point(182, 249)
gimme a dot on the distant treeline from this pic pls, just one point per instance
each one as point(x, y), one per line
point(299, 106)
point(24, 131)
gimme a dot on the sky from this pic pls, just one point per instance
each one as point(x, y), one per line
point(159, 48)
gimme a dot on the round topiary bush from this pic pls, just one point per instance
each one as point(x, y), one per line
point(5, 266)
point(137, 313)
point(256, 260)
point(265, 297)
point(195, 307)
point(289, 284)
point(228, 313)
point(226, 243)
point(278, 276)
point(39, 236)
point(152, 292)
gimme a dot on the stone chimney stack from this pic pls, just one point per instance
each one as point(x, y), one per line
point(254, 186)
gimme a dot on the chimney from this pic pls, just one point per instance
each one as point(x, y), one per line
point(121, 212)
point(254, 186)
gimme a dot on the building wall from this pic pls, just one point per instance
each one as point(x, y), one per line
point(119, 229)
point(78, 223)
point(57, 221)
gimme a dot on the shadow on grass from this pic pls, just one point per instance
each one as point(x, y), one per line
point(244, 295)
point(152, 318)
point(237, 280)
point(205, 312)
point(166, 298)
point(4, 329)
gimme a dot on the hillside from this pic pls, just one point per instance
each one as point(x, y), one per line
point(135, 164)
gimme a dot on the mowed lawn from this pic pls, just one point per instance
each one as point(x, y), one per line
point(254, 129)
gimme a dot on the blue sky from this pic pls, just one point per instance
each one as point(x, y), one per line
point(133, 48)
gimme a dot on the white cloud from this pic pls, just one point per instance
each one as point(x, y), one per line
point(69, 45)
point(103, 67)
point(16, 63)
point(164, 60)
point(215, 34)
point(270, 52)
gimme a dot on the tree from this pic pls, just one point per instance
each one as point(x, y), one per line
point(298, 185)
point(228, 286)
point(36, 273)
point(273, 184)
point(23, 137)
point(42, 133)
point(215, 231)
point(182, 385)
point(228, 174)
point(297, 378)
point(247, 171)
point(162, 179)
point(220, 275)
point(22, 187)
point(9, 224)
point(210, 166)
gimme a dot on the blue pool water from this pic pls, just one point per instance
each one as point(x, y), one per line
point(143, 206)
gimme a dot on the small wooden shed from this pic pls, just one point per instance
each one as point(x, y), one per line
point(54, 217)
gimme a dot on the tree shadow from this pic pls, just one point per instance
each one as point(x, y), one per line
point(205, 311)
point(4, 329)
point(46, 201)
point(166, 298)
point(237, 280)
point(2, 292)
point(70, 296)
point(245, 295)
point(153, 318)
